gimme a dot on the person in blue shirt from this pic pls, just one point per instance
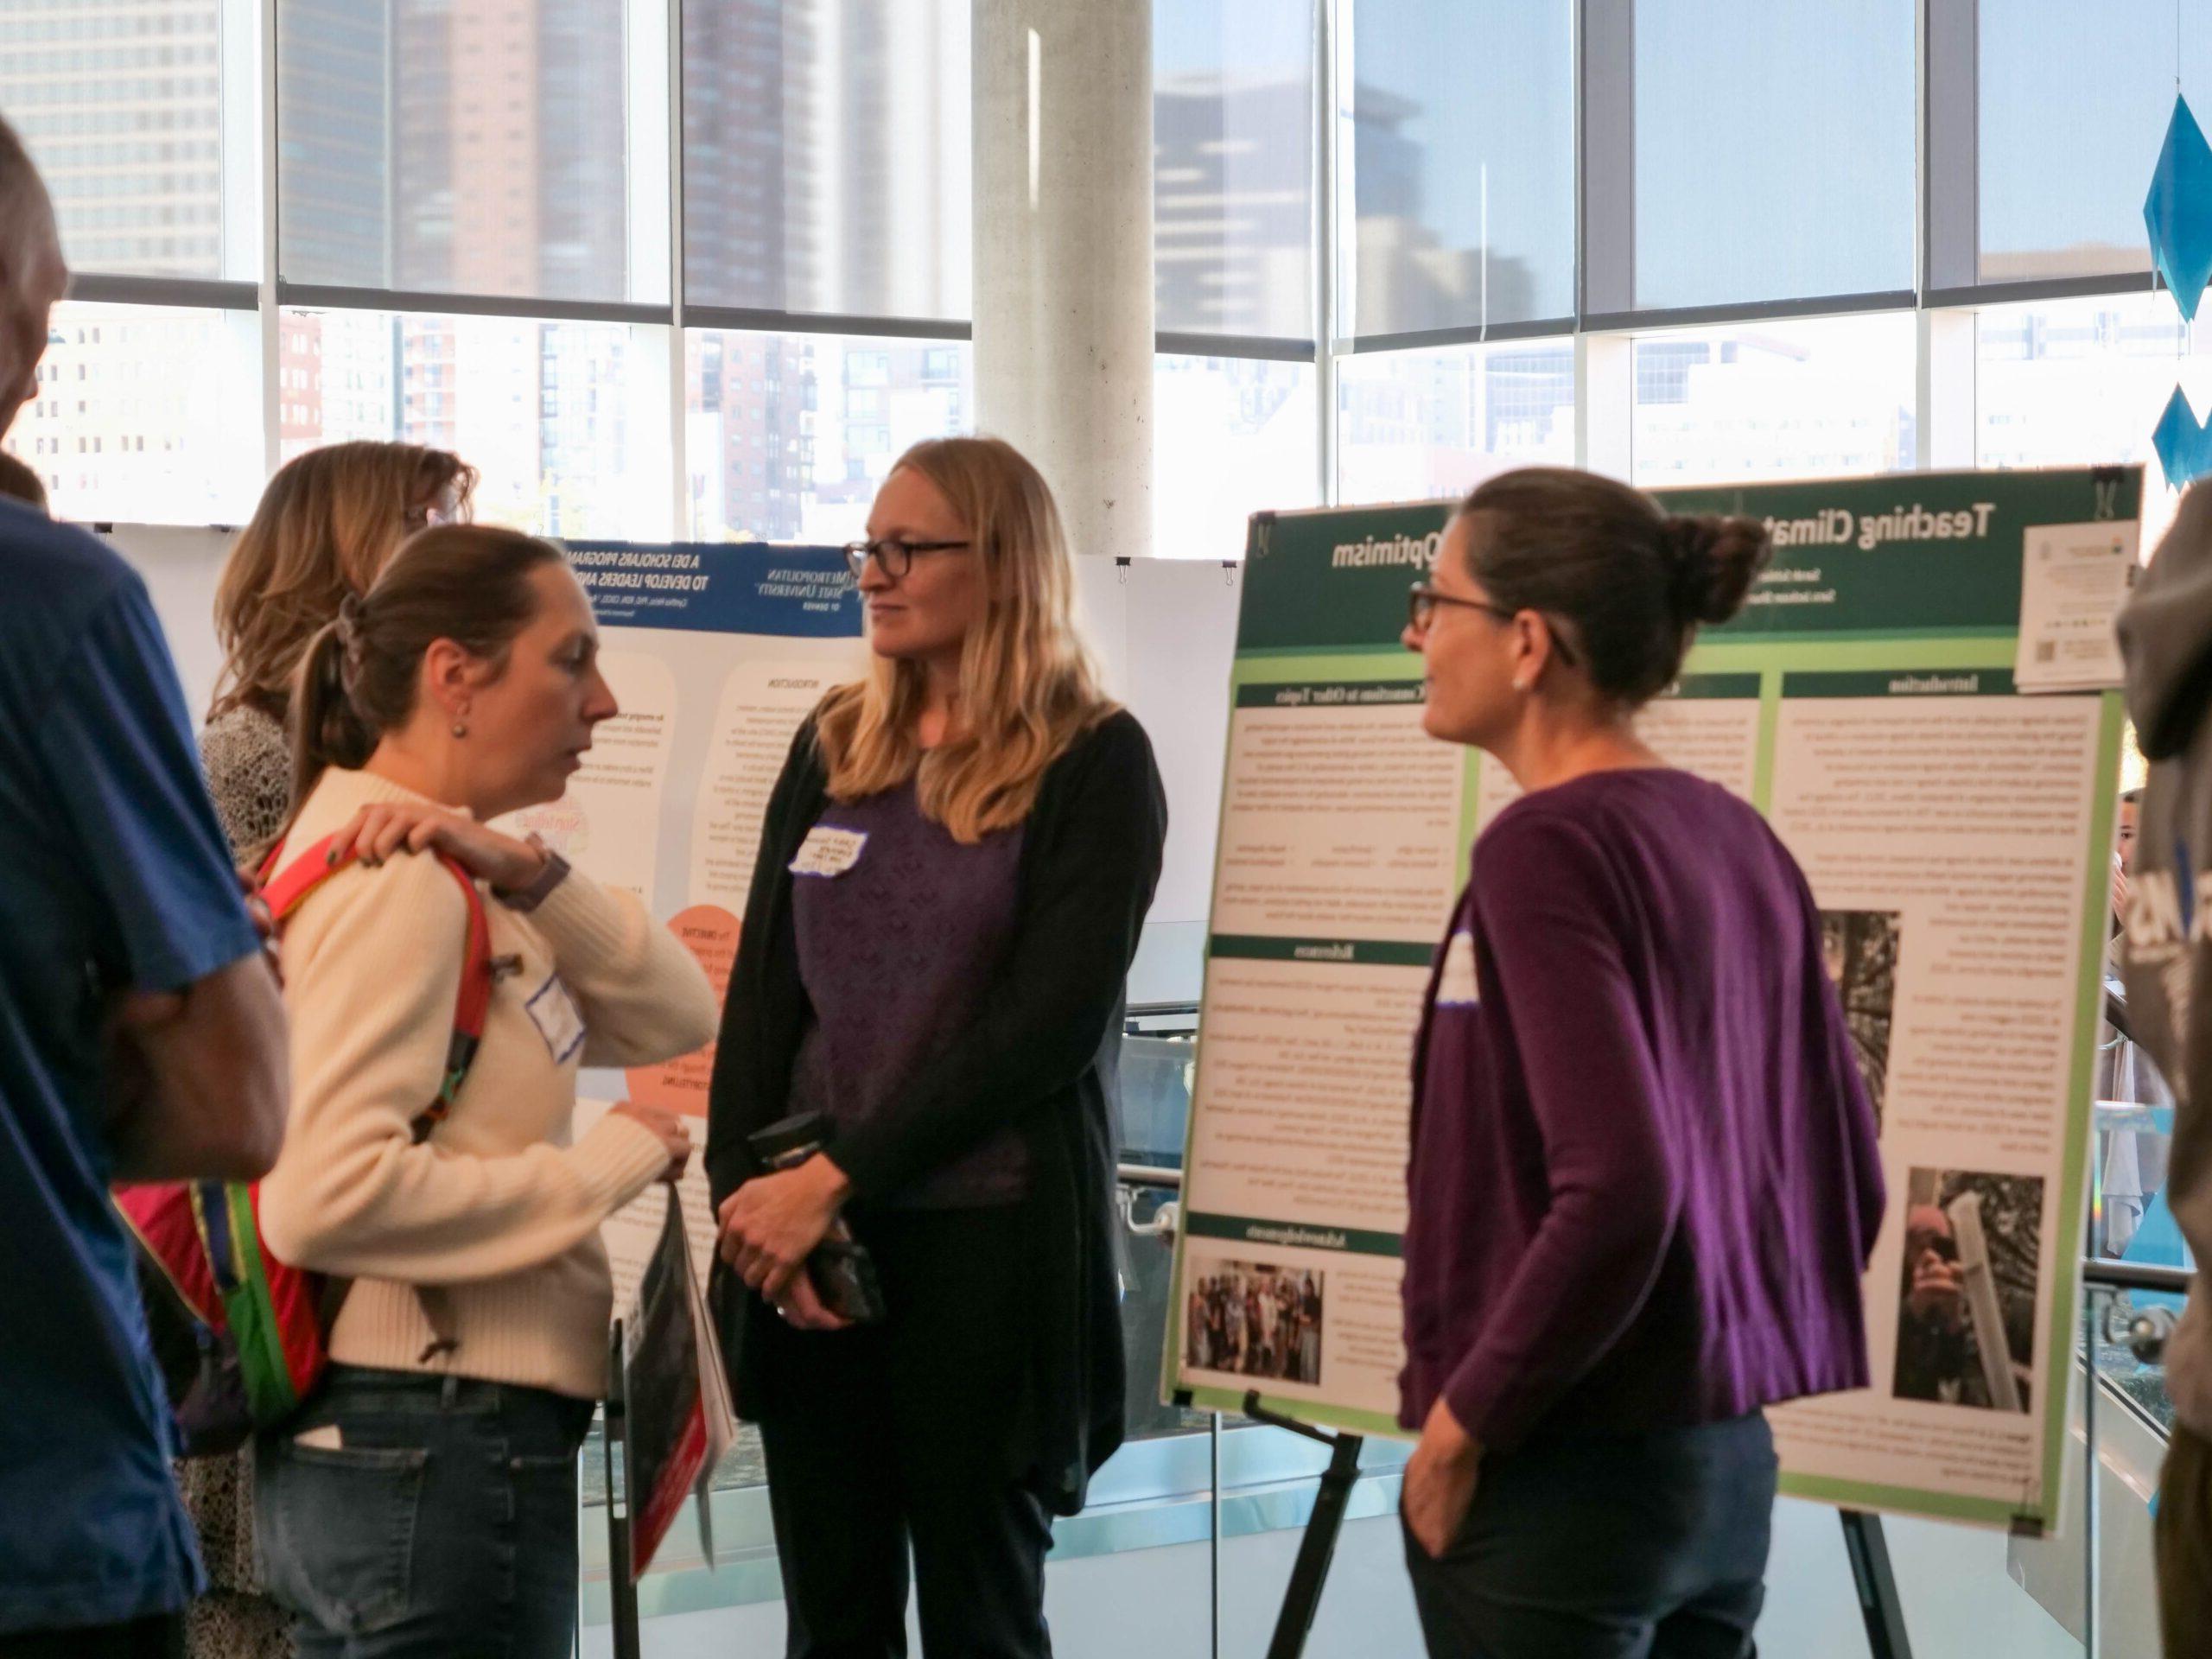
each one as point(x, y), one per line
point(142, 1038)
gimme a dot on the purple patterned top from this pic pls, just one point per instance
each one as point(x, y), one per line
point(896, 952)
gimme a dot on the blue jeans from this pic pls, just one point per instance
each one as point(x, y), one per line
point(442, 1522)
point(1648, 1546)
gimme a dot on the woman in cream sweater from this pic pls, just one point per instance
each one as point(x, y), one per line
point(425, 1501)
point(329, 521)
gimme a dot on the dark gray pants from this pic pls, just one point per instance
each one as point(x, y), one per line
point(1649, 1546)
point(893, 1440)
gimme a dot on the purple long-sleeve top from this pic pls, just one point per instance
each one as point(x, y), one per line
point(1644, 1180)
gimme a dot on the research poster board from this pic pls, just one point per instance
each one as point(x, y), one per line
point(715, 653)
point(1911, 698)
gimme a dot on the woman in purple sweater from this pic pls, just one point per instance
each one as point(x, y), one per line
point(1644, 1180)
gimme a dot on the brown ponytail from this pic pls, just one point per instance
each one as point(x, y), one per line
point(469, 583)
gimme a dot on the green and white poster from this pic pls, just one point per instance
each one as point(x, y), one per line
point(1914, 697)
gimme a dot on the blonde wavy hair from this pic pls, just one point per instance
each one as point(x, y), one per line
point(328, 525)
point(1028, 689)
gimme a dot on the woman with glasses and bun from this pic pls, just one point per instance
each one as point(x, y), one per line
point(1643, 1178)
point(955, 868)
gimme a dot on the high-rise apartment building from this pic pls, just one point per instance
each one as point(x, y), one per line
point(121, 104)
point(1232, 214)
point(337, 84)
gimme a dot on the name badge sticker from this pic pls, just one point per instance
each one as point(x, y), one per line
point(829, 852)
point(559, 1021)
point(1456, 986)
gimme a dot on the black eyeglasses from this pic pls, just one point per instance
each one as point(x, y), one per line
point(1421, 611)
point(893, 557)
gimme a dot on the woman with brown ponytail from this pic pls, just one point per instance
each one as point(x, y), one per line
point(1643, 1178)
point(328, 522)
point(423, 1501)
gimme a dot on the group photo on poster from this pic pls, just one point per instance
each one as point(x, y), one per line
point(1250, 1320)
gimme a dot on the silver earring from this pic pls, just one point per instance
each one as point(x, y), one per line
point(460, 730)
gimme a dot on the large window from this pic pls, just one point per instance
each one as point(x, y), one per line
point(495, 214)
point(1232, 120)
point(1812, 399)
point(122, 103)
point(1774, 149)
point(1459, 155)
point(561, 418)
point(146, 412)
point(2072, 107)
point(457, 146)
point(1233, 437)
point(825, 156)
point(2070, 382)
point(788, 435)
point(1415, 425)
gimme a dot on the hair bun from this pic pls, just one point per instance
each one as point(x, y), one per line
point(1712, 560)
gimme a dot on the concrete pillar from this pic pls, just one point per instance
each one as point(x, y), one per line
point(1062, 242)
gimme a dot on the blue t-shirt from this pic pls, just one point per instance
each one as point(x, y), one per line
point(113, 876)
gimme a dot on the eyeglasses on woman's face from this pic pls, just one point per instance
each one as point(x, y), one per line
point(1422, 604)
point(893, 555)
point(439, 509)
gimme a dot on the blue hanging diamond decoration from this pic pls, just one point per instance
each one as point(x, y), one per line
point(2178, 211)
point(2183, 445)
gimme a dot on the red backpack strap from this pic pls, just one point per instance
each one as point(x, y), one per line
point(284, 887)
point(283, 891)
point(470, 1007)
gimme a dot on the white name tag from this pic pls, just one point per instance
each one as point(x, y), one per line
point(829, 851)
point(1456, 986)
point(554, 1012)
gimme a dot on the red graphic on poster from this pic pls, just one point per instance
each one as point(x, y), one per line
point(680, 1085)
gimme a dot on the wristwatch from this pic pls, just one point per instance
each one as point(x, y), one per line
point(541, 888)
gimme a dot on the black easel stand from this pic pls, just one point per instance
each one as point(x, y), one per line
point(1863, 1541)
point(1303, 1598)
point(621, 1588)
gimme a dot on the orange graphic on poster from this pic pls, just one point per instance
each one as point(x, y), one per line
point(680, 1085)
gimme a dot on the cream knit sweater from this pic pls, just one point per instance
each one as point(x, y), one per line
point(497, 1206)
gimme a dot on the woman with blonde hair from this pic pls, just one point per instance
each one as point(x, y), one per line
point(328, 525)
point(953, 873)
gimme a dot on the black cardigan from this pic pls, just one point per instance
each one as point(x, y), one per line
point(1040, 1056)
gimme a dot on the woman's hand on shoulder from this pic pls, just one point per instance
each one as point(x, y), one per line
point(388, 828)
